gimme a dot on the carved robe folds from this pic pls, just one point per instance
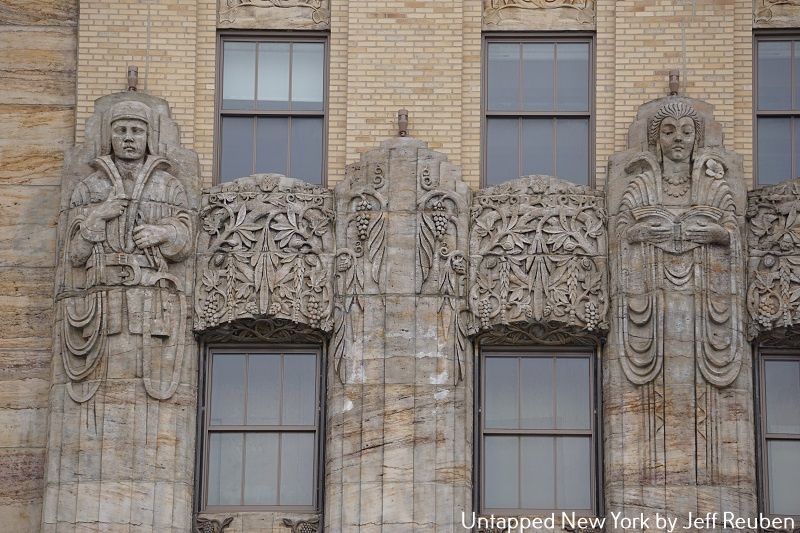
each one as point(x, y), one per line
point(676, 281)
point(132, 300)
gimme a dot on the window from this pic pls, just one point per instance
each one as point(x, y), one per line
point(537, 432)
point(272, 108)
point(262, 421)
point(777, 109)
point(538, 101)
point(780, 431)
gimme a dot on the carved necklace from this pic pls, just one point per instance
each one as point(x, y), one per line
point(677, 184)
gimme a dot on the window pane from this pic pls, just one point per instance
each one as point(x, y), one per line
point(502, 392)
point(261, 469)
point(774, 75)
point(272, 152)
point(306, 163)
point(297, 469)
point(502, 150)
point(573, 76)
point(538, 473)
point(782, 381)
point(273, 76)
point(572, 149)
point(264, 390)
point(537, 83)
point(537, 146)
point(774, 150)
point(501, 472)
point(503, 77)
point(784, 473)
point(573, 405)
point(225, 469)
point(574, 472)
point(237, 148)
point(227, 390)
point(239, 75)
point(308, 66)
point(299, 389)
point(537, 407)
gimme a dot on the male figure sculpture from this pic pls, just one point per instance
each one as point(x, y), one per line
point(129, 221)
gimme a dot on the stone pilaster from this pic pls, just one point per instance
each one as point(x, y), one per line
point(400, 380)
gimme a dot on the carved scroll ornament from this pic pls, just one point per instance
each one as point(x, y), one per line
point(765, 9)
point(319, 10)
point(537, 249)
point(494, 10)
point(774, 243)
point(265, 251)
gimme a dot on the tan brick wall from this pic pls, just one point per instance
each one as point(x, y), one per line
point(37, 116)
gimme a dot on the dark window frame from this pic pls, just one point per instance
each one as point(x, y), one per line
point(762, 436)
point(793, 114)
point(204, 428)
point(596, 443)
point(219, 112)
point(538, 37)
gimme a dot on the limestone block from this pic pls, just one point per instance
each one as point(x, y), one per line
point(45, 13)
point(27, 67)
point(529, 15)
point(274, 14)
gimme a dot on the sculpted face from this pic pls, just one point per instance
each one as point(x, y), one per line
point(129, 138)
point(676, 137)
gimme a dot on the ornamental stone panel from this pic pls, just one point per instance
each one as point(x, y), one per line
point(274, 14)
point(527, 15)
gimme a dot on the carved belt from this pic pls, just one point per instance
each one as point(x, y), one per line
point(123, 268)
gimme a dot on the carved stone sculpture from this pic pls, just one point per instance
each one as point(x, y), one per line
point(208, 525)
point(265, 250)
point(275, 14)
point(538, 257)
point(677, 365)
point(773, 298)
point(538, 14)
point(776, 13)
point(302, 526)
point(125, 363)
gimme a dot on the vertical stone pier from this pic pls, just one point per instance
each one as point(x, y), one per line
point(399, 428)
point(678, 389)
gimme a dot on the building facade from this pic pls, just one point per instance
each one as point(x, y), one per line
point(399, 265)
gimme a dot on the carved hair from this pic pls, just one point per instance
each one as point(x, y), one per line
point(676, 110)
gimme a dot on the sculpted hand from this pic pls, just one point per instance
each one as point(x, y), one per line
point(650, 232)
point(110, 209)
point(148, 235)
point(707, 234)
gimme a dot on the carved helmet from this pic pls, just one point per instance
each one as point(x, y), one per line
point(131, 109)
point(677, 110)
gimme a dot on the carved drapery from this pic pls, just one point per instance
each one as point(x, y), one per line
point(265, 250)
point(773, 298)
point(538, 256)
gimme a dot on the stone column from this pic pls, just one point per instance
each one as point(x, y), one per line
point(123, 397)
point(399, 429)
point(678, 408)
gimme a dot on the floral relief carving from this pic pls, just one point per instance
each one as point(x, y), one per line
point(319, 8)
point(494, 10)
point(266, 250)
point(773, 299)
point(537, 246)
point(210, 525)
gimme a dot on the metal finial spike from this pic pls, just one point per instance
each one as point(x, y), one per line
point(133, 77)
point(402, 122)
point(674, 82)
